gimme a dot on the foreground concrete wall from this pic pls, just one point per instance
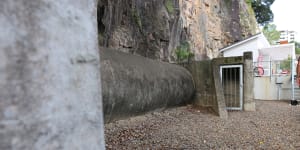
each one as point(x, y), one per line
point(49, 76)
point(133, 84)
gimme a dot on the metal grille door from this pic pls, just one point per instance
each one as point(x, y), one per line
point(232, 82)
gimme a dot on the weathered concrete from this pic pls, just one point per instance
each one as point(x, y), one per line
point(209, 92)
point(249, 104)
point(204, 83)
point(219, 90)
point(133, 85)
point(217, 62)
point(50, 97)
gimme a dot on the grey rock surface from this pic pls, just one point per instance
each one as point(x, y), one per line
point(154, 28)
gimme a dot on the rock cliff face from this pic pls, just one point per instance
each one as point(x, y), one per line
point(154, 28)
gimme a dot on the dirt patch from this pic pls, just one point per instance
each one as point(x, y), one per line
point(275, 125)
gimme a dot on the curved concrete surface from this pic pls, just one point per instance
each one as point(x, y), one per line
point(133, 85)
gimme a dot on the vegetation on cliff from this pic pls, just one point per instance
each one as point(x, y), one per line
point(263, 12)
point(183, 52)
point(169, 5)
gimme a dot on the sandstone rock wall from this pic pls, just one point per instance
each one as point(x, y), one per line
point(154, 28)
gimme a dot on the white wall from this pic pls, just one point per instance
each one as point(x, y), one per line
point(253, 45)
point(280, 52)
point(265, 88)
point(240, 49)
point(263, 42)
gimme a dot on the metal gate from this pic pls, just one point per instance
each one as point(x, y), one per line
point(232, 82)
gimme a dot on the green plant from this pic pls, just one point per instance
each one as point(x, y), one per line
point(101, 38)
point(136, 18)
point(183, 52)
point(297, 50)
point(249, 2)
point(297, 47)
point(169, 5)
point(250, 9)
point(286, 64)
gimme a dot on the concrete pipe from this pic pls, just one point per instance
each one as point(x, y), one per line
point(133, 85)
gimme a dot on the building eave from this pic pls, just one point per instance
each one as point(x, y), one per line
point(240, 42)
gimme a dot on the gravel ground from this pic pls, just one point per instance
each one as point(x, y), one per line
point(275, 125)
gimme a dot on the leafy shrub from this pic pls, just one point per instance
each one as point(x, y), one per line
point(169, 5)
point(286, 64)
point(183, 52)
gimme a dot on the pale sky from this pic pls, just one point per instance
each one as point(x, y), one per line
point(287, 15)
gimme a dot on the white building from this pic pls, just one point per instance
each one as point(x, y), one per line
point(253, 44)
point(286, 35)
point(275, 82)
